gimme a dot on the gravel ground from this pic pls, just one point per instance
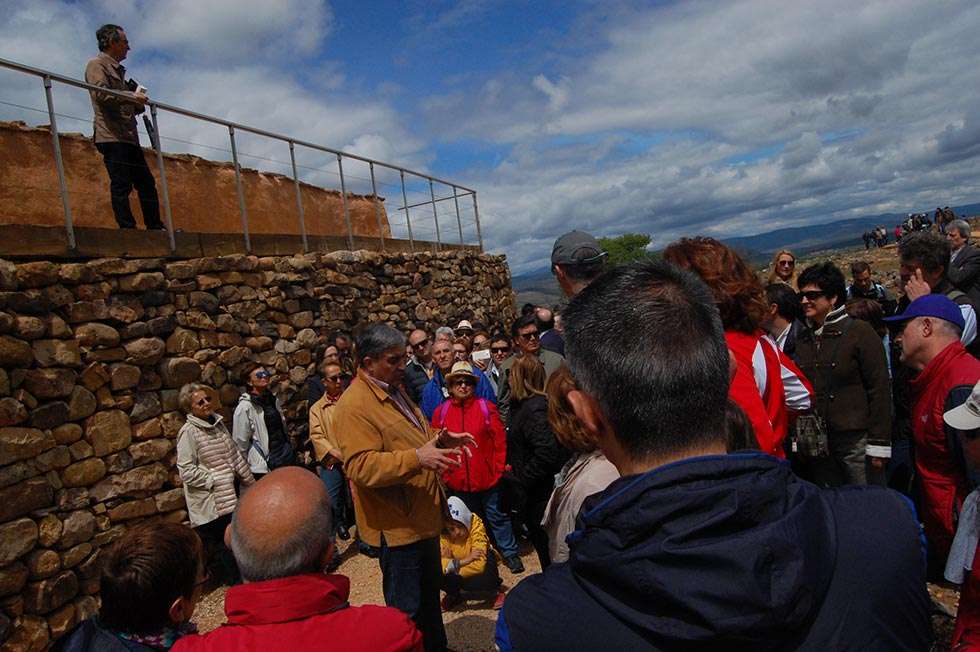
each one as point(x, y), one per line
point(469, 627)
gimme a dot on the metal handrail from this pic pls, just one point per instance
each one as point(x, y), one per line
point(154, 105)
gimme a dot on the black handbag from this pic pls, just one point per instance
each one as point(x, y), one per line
point(811, 429)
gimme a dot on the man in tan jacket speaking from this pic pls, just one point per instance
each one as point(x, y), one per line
point(394, 459)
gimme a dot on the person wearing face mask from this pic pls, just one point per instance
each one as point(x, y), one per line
point(209, 463)
point(259, 428)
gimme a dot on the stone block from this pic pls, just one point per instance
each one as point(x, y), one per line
point(43, 563)
point(37, 274)
point(80, 450)
point(124, 308)
point(17, 538)
point(77, 528)
point(75, 555)
point(49, 530)
point(94, 376)
point(56, 458)
point(58, 327)
point(13, 578)
point(150, 380)
point(85, 607)
point(50, 383)
point(204, 301)
point(108, 431)
point(75, 273)
point(161, 326)
point(183, 340)
point(15, 352)
point(14, 473)
point(29, 328)
point(133, 509)
point(150, 451)
point(23, 443)
point(123, 376)
point(12, 412)
point(96, 334)
point(85, 311)
point(180, 270)
point(72, 498)
point(4, 382)
point(29, 635)
point(61, 621)
point(57, 353)
point(25, 497)
point(140, 479)
point(168, 501)
point(49, 594)
point(145, 351)
point(50, 415)
point(67, 433)
point(84, 473)
point(142, 282)
point(177, 372)
point(121, 461)
point(82, 404)
point(114, 354)
point(148, 429)
point(147, 406)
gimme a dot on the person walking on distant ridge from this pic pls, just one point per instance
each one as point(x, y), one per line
point(115, 132)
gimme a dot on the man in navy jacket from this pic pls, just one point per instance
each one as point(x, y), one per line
point(693, 548)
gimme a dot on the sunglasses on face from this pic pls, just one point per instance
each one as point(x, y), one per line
point(333, 379)
point(811, 295)
point(259, 375)
point(786, 263)
point(203, 401)
point(500, 349)
point(463, 382)
point(420, 344)
point(533, 335)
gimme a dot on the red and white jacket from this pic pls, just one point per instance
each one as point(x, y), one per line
point(767, 386)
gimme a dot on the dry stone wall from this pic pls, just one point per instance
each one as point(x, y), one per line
point(92, 356)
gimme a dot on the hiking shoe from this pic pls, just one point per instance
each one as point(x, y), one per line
point(514, 564)
point(498, 602)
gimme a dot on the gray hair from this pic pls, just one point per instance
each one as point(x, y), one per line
point(962, 226)
point(186, 393)
point(107, 35)
point(376, 339)
point(298, 552)
point(445, 333)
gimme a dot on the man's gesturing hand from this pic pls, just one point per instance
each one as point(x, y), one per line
point(437, 459)
point(446, 439)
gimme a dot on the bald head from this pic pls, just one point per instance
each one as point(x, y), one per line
point(282, 526)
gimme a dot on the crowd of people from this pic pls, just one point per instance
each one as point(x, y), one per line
point(699, 458)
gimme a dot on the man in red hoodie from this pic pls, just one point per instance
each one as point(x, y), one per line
point(280, 536)
point(930, 340)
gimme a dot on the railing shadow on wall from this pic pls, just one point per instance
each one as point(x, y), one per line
point(421, 187)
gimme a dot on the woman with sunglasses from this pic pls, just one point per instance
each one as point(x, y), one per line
point(209, 463)
point(846, 362)
point(259, 428)
point(783, 268)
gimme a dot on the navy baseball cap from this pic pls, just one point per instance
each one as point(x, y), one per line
point(932, 305)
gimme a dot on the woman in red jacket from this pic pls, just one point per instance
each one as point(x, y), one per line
point(477, 478)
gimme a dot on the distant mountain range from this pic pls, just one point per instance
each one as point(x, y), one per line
point(539, 286)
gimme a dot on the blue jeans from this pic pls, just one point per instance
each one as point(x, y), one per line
point(487, 505)
point(336, 483)
point(411, 577)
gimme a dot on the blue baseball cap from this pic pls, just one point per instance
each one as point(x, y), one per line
point(932, 305)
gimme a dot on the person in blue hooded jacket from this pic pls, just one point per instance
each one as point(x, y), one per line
point(693, 548)
point(436, 391)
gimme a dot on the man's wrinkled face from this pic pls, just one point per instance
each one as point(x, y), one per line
point(442, 355)
point(460, 353)
point(389, 367)
point(955, 238)
point(421, 345)
point(527, 339)
point(912, 340)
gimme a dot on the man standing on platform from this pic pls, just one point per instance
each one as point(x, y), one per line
point(115, 132)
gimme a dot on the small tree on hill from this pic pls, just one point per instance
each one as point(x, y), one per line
point(626, 248)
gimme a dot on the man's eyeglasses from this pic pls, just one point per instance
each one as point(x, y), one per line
point(333, 379)
point(533, 335)
point(811, 295)
point(500, 349)
point(420, 344)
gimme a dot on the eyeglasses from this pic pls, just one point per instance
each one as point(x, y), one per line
point(201, 402)
point(463, 381)
point(500, 349)
point(811, 295)
point(333, 379)
point(262, 374)
point(420, 344)
point(533, 335)
point(786, 263)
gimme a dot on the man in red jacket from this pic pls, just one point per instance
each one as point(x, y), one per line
point(930, 341)
point(280, 535)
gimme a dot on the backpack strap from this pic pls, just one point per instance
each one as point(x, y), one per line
point(442, 413)
point(485, 410)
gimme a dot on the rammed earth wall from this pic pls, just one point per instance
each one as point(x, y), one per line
point(92, 356)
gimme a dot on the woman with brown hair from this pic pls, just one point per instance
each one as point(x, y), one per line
point(533, 451)
point(586, 473)
point(767, 385)
point(783, 268)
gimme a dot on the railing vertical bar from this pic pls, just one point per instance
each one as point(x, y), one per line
point(343, 198)
point(476, 214)
point(59, 163)
point(459, 221)
point(435, 215)
point(377, 207)
point(299, 198)
point(241, 190)
point(163, 180)
point(408, 220)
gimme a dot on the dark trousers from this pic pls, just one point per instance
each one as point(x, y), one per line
point(127, 169)
point(336, 483)
point(532, 514)
point(213, 536)
point(487, 505)
point(411, 577)
point(846, 464)
point(488, 580)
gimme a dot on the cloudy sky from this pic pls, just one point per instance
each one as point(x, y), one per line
point(664, 118)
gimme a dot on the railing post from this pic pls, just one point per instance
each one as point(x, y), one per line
point(435, 215)
point(299, 198)
point(408, 220)
point(163, 180)
point(377, 207)
point(343, 198)
point(241, 191)
point(476, 214)
point(459, 221)
point(69, 227)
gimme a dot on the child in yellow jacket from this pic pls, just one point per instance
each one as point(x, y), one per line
point(467, 562)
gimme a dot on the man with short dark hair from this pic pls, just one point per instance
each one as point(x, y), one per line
point(115, 133)
point(864, 287)
point(280, 536)
point(527, 340)
point(964, 260)
point(420, 367)
point(394, 459)
point(693, 548)
point(782, 322)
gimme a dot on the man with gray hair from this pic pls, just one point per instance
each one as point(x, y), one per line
point(394, 459)
point(964, 260)
point(280, 536)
